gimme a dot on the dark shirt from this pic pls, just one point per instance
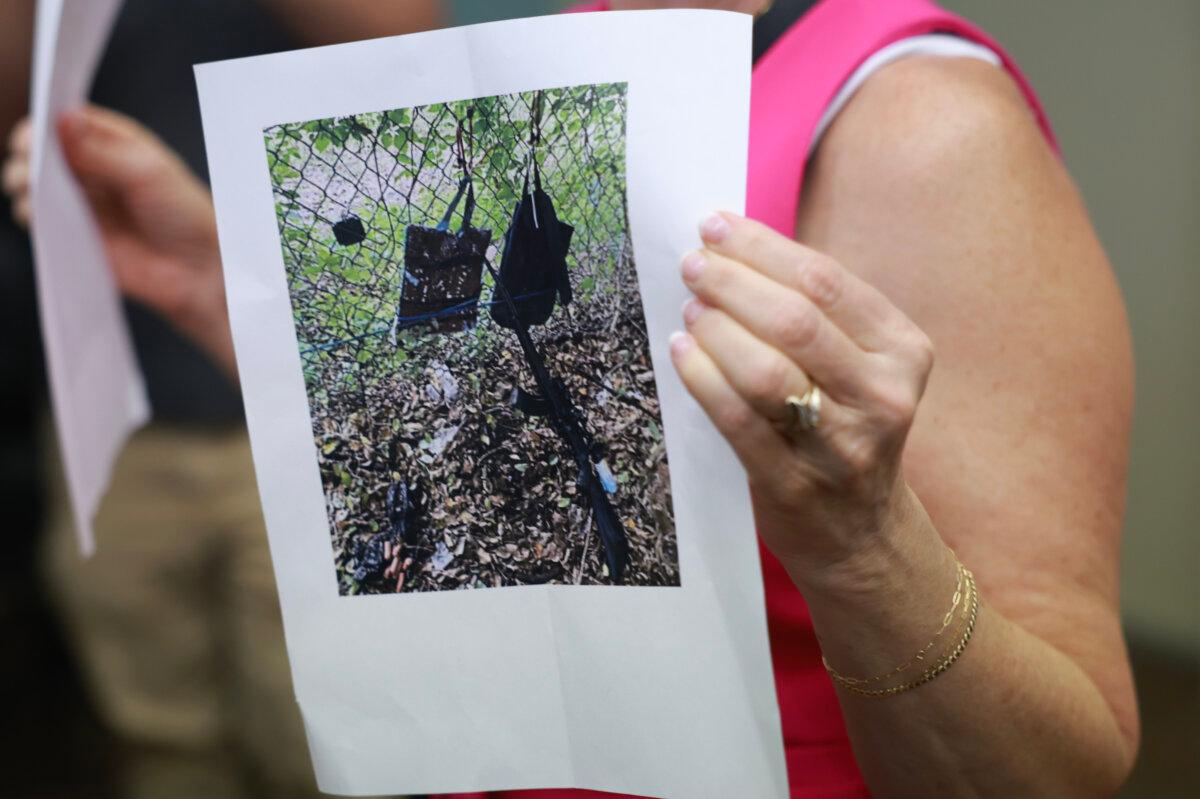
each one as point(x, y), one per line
point(146, 73)
point(771, 26)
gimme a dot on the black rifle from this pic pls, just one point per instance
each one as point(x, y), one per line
point(568, 422)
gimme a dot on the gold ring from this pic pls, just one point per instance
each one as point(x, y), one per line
point(806, 409)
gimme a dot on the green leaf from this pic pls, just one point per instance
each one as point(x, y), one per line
point(322, 143)
point(363, 356)
point(563, 502)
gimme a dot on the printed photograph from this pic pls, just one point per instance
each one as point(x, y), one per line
point(483, 406)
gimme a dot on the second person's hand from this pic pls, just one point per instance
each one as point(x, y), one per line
point(155, 217)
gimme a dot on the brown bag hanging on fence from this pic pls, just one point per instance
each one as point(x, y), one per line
point(443, 270)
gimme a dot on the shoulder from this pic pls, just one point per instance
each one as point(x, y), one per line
point(947, 149)
point(936, 179)
point(937, 185)
point(926, 112)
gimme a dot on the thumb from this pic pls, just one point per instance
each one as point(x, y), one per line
point(110, 153)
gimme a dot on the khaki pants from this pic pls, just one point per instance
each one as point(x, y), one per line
point(176, 622)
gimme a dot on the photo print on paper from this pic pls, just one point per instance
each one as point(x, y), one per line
point(474, 345)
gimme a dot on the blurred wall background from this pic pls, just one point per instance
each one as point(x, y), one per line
point(1121, 82)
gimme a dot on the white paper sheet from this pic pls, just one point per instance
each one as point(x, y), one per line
point(657, 691)
point(95, 383)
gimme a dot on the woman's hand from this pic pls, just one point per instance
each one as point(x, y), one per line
point(771, 315)
point(155, 217)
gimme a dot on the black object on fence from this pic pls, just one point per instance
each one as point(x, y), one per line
point(533, 267)
point(349, 231)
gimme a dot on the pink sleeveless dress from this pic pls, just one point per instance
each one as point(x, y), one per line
point(792, 85)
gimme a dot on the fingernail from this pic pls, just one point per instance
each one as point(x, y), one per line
point(714, 229)
point(691, 310)
point(680, 343)
point(693, 265)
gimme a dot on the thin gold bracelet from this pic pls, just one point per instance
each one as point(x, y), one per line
point(843, 679)
point(944, 663)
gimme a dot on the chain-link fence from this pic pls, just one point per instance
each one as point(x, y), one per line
point(397, 403)
point(397, 168)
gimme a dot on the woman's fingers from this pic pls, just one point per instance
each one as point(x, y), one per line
point(854, 305)
point(21, 138)
point(785, 319)
point(757, 444)
point(15, 177)
point(762, 375)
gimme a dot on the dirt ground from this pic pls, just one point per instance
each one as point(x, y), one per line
point(493, 496)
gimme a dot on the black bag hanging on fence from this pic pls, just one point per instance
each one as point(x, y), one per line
point(533, 266)
point(349, 231)
point(443, 271)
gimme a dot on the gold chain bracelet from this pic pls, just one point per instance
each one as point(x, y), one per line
point(947, 620)
point(943, 664)
point(970, 614)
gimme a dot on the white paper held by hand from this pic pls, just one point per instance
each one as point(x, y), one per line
point(511, 551)
point(96, 385)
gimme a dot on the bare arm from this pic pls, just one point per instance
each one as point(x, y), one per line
point(936, 186)
point(937, 219)
point(317, 22)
